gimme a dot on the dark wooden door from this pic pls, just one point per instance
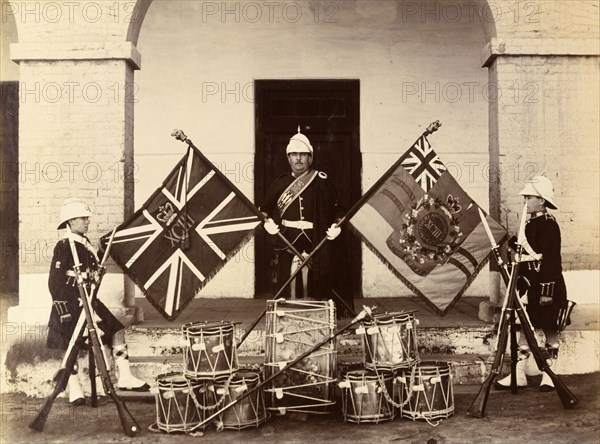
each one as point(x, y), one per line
point(9, 190)
point(327, 112)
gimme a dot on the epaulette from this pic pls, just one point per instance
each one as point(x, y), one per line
point(550, 217)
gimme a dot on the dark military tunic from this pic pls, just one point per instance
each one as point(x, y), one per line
point(66, 307)
point(318, 203)
point(545, 276)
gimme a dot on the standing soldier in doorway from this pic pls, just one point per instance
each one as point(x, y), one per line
point(304, 203)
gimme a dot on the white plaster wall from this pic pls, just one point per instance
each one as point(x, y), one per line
point(199, 64)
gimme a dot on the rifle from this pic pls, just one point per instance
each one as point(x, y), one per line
point(478, 406)
point(61, 378)
point(130, 426)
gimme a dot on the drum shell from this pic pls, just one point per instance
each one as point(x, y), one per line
point(390, 342)
point(432, 394)
point(249, 411)
point(210, 352)
point(364, 396)
point(293, 328)
point(178, 403)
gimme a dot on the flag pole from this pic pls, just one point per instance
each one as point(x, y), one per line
point(433, 127)
point(180, 135)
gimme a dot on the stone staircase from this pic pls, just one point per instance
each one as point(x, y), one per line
point(156, 347)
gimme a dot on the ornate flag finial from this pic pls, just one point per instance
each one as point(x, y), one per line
point(298, 128)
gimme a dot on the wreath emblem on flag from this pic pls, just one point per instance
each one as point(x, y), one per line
point(431, 231)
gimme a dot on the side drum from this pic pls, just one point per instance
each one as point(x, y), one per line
point(250, 411)
point(390, 341)
point(426, 391)
point(210, 351)
point(367, 396)
point(178, 403)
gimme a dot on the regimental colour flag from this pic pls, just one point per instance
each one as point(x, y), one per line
point(183, 234)
point(424, 226)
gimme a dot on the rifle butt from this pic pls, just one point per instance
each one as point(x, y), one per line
point(478, 406)
point(40, 419)
point(130, 426)
point(567, 398)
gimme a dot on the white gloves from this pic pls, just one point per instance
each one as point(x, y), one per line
point(271, 227)
point(333, 231)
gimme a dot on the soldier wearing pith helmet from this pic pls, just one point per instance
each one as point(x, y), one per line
point(66, 307)
point(303, 206)
point(541, 269)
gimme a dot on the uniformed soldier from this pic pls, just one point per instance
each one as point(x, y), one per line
point(541, 270)
point(66, 307)
point(305, 204)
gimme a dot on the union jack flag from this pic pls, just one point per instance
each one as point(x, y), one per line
point(184, 233)
point(423, 164)
point(425, 227)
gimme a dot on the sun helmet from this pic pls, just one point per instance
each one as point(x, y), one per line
point(542, 187)
point(71, 209)
point(299, 143)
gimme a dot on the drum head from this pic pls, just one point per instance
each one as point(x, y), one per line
point(208, 327)
point(169, 379)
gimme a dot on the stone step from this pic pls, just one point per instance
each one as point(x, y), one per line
point(154, 352)
point(579, 349)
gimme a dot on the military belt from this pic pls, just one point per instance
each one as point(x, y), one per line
point(299, 224)
point(84, 274)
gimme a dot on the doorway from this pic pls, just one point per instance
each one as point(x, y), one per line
point(9, 191)
point(328, 113)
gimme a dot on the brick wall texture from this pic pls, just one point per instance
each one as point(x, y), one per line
point(547, 121)
point(75, 136)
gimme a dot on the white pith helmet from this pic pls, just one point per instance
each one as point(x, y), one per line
point(542, 187)
point(299, 143)
point(71, 209)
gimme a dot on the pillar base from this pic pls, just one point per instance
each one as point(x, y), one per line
point(488, 312)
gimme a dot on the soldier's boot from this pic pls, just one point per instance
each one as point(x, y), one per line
point(126, 380)
point(76, 397)
point(504, 383)
point(546, 385)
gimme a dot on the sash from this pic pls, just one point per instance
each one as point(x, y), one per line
point(294, 190)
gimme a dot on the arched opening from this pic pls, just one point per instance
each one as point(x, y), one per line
point(414, 66)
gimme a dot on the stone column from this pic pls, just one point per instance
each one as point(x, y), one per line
point(75, 140)
point(544, 101)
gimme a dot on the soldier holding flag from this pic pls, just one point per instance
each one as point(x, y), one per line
point(305, 204)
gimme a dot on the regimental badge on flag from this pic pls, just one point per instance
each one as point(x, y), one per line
point(424, 226)
point(183, 234)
